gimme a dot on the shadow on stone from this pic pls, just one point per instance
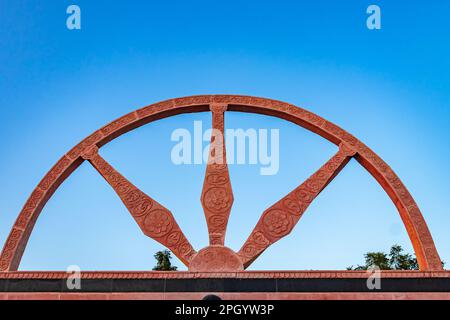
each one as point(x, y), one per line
point(211, 297)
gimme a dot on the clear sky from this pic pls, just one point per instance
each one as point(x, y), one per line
point(389, 87)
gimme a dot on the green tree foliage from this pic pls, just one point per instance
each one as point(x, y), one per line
point(163, 261)
point(401, 261)
point(396, 259)
point(379, 259)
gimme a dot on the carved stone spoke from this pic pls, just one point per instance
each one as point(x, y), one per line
point(154, 220)
point(280, 219)
point(217, 195)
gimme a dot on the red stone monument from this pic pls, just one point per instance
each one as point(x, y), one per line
point(217, 261)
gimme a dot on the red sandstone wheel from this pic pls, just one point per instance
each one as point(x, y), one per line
point(275, 223)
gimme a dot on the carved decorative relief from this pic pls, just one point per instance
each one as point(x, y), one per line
point(119, 123)
point(280, 219)
point(54, 173)
point(154, 220)
point(216, 259)
point(217, 197)
point(9, 248)
point(89, 141)
point(30, 206)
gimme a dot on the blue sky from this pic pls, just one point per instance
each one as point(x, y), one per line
point(390, 88)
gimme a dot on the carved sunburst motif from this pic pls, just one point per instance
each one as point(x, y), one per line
point(275, 223)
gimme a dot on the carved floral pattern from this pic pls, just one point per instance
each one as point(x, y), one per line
point(277, 223)
point(217, 199)
point(158, 223)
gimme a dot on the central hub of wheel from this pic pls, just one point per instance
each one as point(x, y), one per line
point(216, 259)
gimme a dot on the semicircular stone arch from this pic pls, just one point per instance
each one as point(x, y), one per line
point(275, 223)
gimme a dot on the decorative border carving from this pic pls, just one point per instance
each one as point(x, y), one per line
point(206, 275)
